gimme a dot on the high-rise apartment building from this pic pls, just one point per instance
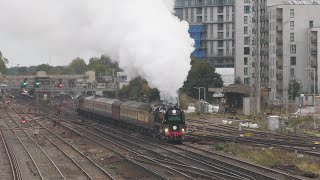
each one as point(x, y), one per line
point(293, 46)
point(226, 39)
point(288, 39)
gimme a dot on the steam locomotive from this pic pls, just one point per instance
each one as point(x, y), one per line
point(165, 123)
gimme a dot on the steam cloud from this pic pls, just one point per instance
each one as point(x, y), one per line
point(142, 35)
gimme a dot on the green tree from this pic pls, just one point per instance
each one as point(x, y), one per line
point(57, 70)
point(43, 67)
point(78, 66)
point(102, 65)
point(294, 89)
point(23, 70)
point(201, 74)
point(238, 80)
point(139, 90)
point(3, 62)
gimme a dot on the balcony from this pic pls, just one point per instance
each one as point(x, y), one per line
point(265, 63)
point(279, 52)
point(314, 39)
point(264, 29)
point(279, 87)
point(279, 28)
point(265, 40)
point(279, 40)
point(264, 52)
point(279, 65)
point(264, 18)
point(313, 63)
point(314, 52)
point(220, 28)
point(220, 20)
point(220, 37)
point(279, 76)
point(279, 16)
point(265, 74)
point(219, 55)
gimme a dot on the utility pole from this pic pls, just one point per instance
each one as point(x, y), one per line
point(255, 87)
point(37, 97)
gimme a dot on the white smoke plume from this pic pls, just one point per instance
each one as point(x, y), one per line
point(142, 35)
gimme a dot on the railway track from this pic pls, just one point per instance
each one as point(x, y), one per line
point(226, 133)
point(45, 167)
point(212, 169)
point(228, 172)
point(9, 167)
point(142, 168)
point(178, 162)
point(235, 130)
point(81, 166)
point(208, 160)
point(54, 159)
point(135, 154)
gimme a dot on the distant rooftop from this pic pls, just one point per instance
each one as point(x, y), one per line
point(302, 2)
point(227, 75)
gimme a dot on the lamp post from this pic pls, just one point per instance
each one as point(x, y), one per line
point(204, 92)
point(204, 95)
point(285, 87)
point(199, 91)
point(314, 94)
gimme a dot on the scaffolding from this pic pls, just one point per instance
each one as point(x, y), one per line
point(195, 32)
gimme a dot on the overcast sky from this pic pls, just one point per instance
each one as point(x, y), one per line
point(51, 31)
point(143, 36)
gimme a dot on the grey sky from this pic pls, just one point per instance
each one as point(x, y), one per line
point(142, 35)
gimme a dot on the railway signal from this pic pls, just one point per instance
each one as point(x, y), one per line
point(37, 84)
point(24, 84)
point(60, 85)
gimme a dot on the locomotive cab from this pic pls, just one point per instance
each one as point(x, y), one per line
point(171, 124)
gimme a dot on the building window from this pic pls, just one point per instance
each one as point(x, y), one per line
point(245, 30)
point(227, 30)
point(220, 43)
point(220, 35)
point(310, 24)
point(245, 20)
point(199, 10)
point(199, 19)
point(246, 80)
point(187, 14)
point(246, 40)
point(245, 61)
point(291, 37)
point(245, 71)
point(205, 14)
point(211, 13)
point(220, 18)
point(220, 9)
point(246, 9)
point(246, 50)
point(291, 25)
point(293, 61)
point(291, 72)
point(192, 16)
point(293, 49)
point(220, 53)
point(291, 13)
point(247, 1)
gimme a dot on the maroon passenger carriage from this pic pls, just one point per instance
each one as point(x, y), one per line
point(159, 121)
